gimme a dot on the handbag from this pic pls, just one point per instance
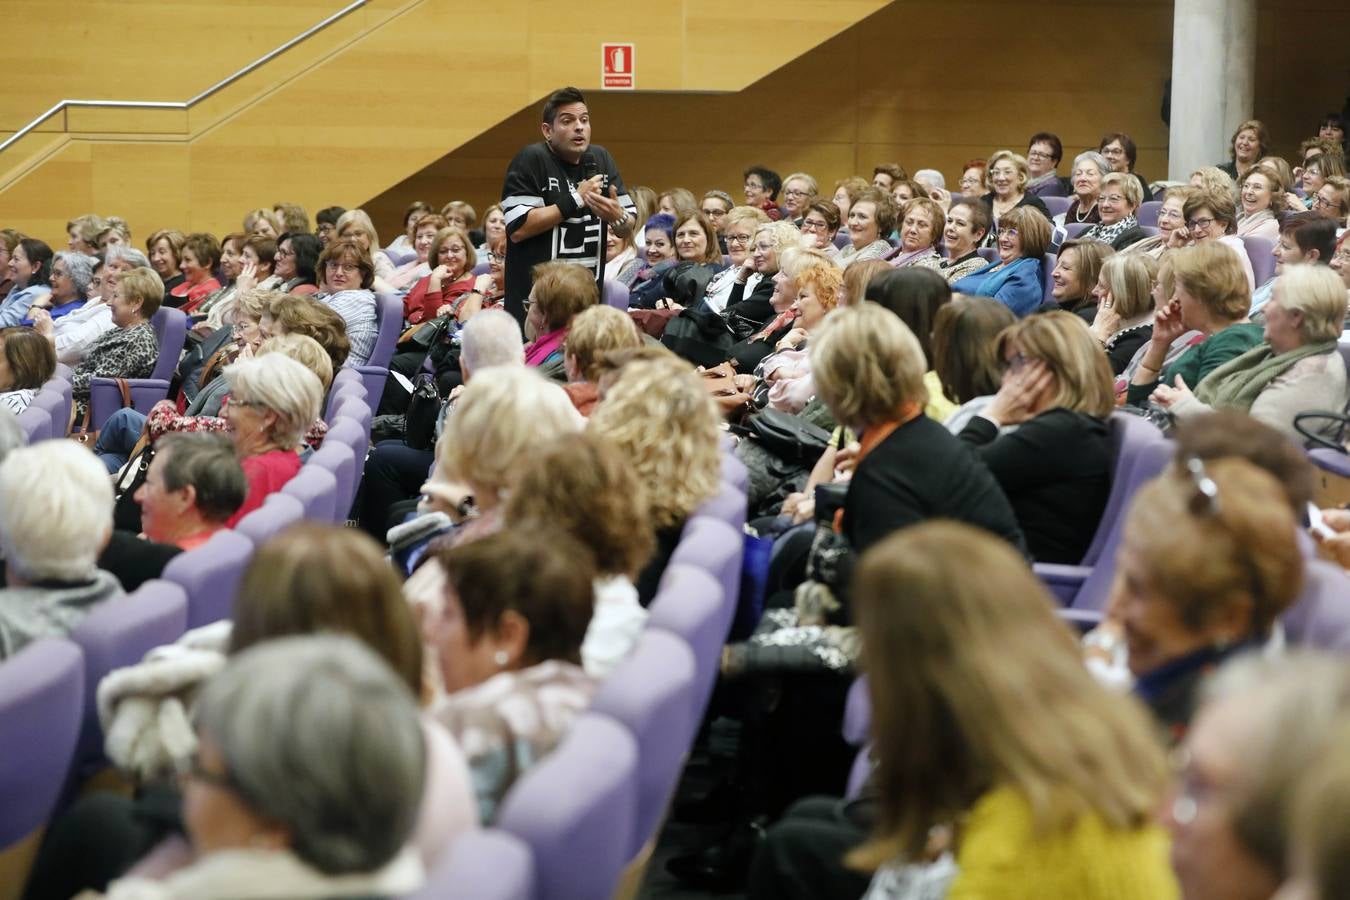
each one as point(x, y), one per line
point(423, 336)
point(126, 511)
point(84, 434)
point(419, 429)
point(787, 436)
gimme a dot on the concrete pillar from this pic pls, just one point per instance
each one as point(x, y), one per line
point(1213, 73)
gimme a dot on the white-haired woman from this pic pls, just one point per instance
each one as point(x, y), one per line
point(1089, 168)
point(74, 333)
point(270, 809)
point(71, 274)
point(52, 536)
point(273, 400)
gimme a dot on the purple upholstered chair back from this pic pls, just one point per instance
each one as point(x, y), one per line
point(615, 294)
point(1047, 266)
point(858, 732)
point(56, 406)
point(278, 512)
point(41, 705)
point(64, 371)
point(1057, 205)
point(727, 505)
point(119, 633)
point(36, 424)
point(689, 603)
point(340, 391)
point(1147, 214)
point(576, 810)
point(357, 410)
point(336, 458)
point(651, 693)
point(841, 238)
point(718, 548)
point(734, 471)
point(484, 865)
point(210, 574)
point(171, 328)
point(482, 268)
point(988, 254)
point(1074, 229)
point(1129, 435)
point(1259, 251)
point(389, 321)
point(1320, 618)
point(316, 489)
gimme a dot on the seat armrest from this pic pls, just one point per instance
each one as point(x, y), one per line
point(1063, 581)
point(105, 398)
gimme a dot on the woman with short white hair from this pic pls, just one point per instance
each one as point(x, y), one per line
point(272, 402)
point(75, 332)
point(70, 277)
point(51, 538)
point(1089, 168)
point(270, 808)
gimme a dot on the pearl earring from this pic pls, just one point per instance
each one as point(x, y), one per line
point(500, 658)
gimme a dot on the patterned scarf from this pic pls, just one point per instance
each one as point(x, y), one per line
point(1108, 233)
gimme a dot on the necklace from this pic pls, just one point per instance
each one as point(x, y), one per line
point(1078, 214)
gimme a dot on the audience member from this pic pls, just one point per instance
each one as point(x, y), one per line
point(761, 190)
point(1248, 144)
point(1015, 279)
point(820, 223)
point(1123, 321)
point(595, 332)
point(1044, 152)
point(1116, 207)
point(1170, 218)
point(1089, 168)
point(164, 248)
point(1316, 841)
point(355, 225)
point(1212, 217)
point(30, 272)
point(325, 223)
point(74, 333)
point(348, 274)
point(69, 286)
point(198, 259)
point(26, 362)
point(1120, 151)
point(1304, 238)
point(402, 247)
point(1262, 197)
point(558, 294)
point(1006, 178)
point(192, 488)
point(129, 349)
point(738, 230)
point(1074, 279)
point(871, 217)
point(965, 354)
point(921, 223)
point(917, 298)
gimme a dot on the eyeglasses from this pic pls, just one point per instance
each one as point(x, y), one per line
point(796, 193)
point(283, 253)
point(1017, 363)
point(1009, 230)
point(334, 266)
point(738, 239)
point(1202, 224)
point(815, 225)
point(753, 186)
point(1036, 154)
point(1111, 198)
point(714, 213)
point(1320, 202)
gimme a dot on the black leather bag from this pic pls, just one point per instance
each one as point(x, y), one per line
point(420, 423)
point(788, 437)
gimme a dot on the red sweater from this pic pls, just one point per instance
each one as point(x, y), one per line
point(266, 473)
point(421, 304)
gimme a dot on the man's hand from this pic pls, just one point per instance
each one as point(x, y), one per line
point(607, 207)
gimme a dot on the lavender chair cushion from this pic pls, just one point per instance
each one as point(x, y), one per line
point(340, 391)
point(36, 424)
point(615, 294)
point(651, 693)
point(1074, 229)
point(389, 321)
point(1320, 618)
point(576, 810)
point(210, 574)
point(1147, 213)
point(734, 471)
point(1128, 436)
point(1047, 267)
point(1057, 205)
point(718, 548)
point(483, 865)
point(278, 512)
point(316, 489)
point(41, 705)
point(1259, 251)
point(689, 603)
point(337, 458)
point(727, 505)
point(171, 328)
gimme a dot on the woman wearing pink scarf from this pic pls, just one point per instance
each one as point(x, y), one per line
point(921, 224)
point(560, 291)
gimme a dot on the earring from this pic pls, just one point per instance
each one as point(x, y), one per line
point(501, 658)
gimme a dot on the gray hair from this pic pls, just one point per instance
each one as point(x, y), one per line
point(208, 463)
point(56, 531)
point(1096, 159)
point(278, 383)
point(1292, 705)
point(79, 267)
point(127, 254)
point(319, 735)
point(492, 338)
point(931, 179)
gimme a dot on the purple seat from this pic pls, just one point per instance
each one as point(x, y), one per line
point(689, 603)
point(1057, 205)
point(57, 408)
point(337, 458)
point(356, 409)
point(727, 505)
point(482, 268)
point(842, 239)
point(1089, 588)
point(1074, 229)
point(576, 810)
point(1320, 618)
point(36, 424)
point(1047, 267)
point(651, 693)
point(988, 254)
point(734, 471)
point(399, 256)
point(104, 397)
point(119, 633)
point(1149, 230)
point(350, 434)
point(483, 865)
point(64, 371)
point(1128, 436)
point(347, 375)
point(278, 512)
point(210, 574)
point(1261, 253)
point(389, 320)
point(340, 391)
point(41, 704)
point(316, 489)
point(718, 548)
point(858, 732)
point(1147, 214)
point(615, 294)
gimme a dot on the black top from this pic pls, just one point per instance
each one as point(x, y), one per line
point(748, 315)
point(134, 560)
point(1129, 236)
point(1056, 470)
point(920, 472)
point(1125, 345)
point(1028, 199)
point(535, 179)
point(650, 577)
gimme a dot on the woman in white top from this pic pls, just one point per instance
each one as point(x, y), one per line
point(26, 361)
point(738, 228)
point(1262, 197)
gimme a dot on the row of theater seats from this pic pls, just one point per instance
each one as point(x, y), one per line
point(569, 829)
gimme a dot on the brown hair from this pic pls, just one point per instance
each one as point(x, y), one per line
point(583, 485)
point(930, 206)
point(854, 186)
point(205, 249)
point(1032, 228)
point(293, 218)
point(867, 366)
point(562, 290)
point(1218, 202)
point(596, 331)
point(828, 211)
point(31, 357)
point(713, 253)
point(1212, 273)
point(976, 685)
point(1063, 342)
point(1091, 256)
point(312, 578)
point(1228, 433)
point(350, 251)
point(173, 236)
point(265, 247)
point(1262, 138)
point(433, 220)
point(446, 233)
point(1273, 179)
point(301, 315)
point(545, 576)
point(885, 207)
point(859, 274)
point(965, 346)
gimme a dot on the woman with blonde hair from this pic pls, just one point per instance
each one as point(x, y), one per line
point(1005, 177)
point(1056, 467)
point(130, 348)
point(1074, 279)
point(1124, 311)
point(163, 248)
point(739, 227)
point(355, 224)
point(595, 332)
point(264, 222)
point(992, 742)
point(1295, 369)
point(661, 417)
point(1170, 218)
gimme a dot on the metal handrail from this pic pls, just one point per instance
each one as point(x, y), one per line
point(164, 104)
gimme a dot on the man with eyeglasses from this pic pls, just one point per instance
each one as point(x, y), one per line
point(1044, 152)
point(560, 197)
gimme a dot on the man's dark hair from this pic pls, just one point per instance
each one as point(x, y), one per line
point(559, 98)
point(771, 179)
point(1311, 232)
point(329, 215)
point(210, 464)
point(1045, 137)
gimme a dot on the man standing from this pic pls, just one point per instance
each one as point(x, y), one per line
point(559, 197)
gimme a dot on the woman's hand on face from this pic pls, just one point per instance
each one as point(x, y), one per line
point(1179, 237)
point(1017, 399)
point(248, 276)
point(1167, 324)
point(942, 197)
point(1167, 397)
point(1292, 200)
point(438, 275)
